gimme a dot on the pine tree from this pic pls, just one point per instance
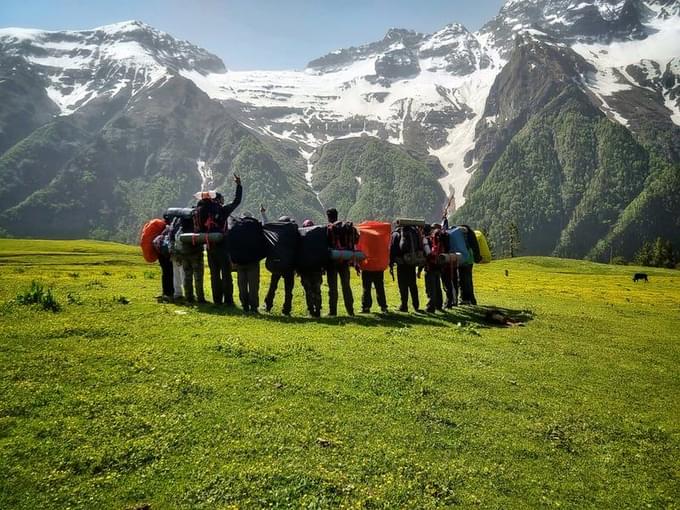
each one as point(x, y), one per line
point(513, 233)
point(644, 255)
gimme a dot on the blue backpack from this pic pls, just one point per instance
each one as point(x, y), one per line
point(458, 244)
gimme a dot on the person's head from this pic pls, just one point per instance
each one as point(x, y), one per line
point(246, 214)
point(285, 218)
point(436, 226)
point(219, 198)
point(427, 230)
point(308, 223)
point(332, 215)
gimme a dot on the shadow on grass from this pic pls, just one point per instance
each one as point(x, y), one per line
point(478, 316)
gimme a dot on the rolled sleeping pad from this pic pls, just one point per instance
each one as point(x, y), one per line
point(409, 222)
point(444, 259)
point(345, 255)
point(484, 250)
point(413, 259)
point(202, 238)
point(179, 212)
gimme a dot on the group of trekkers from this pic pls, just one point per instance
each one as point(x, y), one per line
point(178, 242)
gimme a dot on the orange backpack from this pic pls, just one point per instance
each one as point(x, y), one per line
point(150, 230)
point(374, 241)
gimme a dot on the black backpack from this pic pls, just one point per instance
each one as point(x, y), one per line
point(282, 243)
point(411, 246)
point(247, 243)
point(471, 241)
point(313, 254)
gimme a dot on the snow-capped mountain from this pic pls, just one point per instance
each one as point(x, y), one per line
point(453, 100)
point(408, 88)
point(80, 66)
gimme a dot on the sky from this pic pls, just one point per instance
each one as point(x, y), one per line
point(256, 34)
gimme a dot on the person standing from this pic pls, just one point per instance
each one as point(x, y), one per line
point(373, 279)
point(311, 280)
point(406, 274)
point(432, 270)
point(335, 270)
point(251, 251)
point(213, 217)
point(288, 282)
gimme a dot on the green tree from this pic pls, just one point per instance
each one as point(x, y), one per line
point(662, 253)
point(643, 257)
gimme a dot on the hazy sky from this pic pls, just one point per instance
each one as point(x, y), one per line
point(256, 34)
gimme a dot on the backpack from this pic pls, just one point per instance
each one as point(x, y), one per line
point(439, 243)
point(411, 246)
point(208, 217)
point(282, 242)
point(473, 244)
point(313, 255)
point(150, 231)
point(458, 244)
point(246, 241)
point(342, 235)
point(161, 242)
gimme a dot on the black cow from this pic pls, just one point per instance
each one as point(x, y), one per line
point(640, 276)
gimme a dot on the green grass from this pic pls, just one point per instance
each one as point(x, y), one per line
point(112, 405)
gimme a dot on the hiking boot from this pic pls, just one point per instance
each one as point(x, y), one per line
point(246, 308)
point(404, 308)
point(384, 310)
point(365, 310)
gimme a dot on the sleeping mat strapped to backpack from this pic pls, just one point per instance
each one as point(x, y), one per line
point(313, 254)
point(282, 243)
point(247, 244)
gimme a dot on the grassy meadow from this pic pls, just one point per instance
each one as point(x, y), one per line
point(117, 401)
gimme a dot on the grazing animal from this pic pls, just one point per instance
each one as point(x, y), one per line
point(640, 276)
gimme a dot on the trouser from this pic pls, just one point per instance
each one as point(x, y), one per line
point(177, 277)
point(220, 274)
point(193, 273)
point(332, 274)
point(433, 289)
point(249, 285)
point(288, 284)
point(377, 280)
point(467, 290)
point(450, 283)
point(311, 282)
point(166, 275)
point(406, 279)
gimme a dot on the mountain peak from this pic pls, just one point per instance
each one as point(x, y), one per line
point(125, 27)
